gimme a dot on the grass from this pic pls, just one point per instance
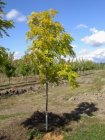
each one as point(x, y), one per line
point(34, 134)
point(88, 129)
point(91, 132)
point(5, 117)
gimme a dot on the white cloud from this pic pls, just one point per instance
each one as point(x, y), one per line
point(17, 55)
point(21, 18)
point(97, 38)
point(84, 51)
point(81, 26)
point(74, 46)
point(15, 14)
point(97, 55)
point(12, 14)
point(93, 30)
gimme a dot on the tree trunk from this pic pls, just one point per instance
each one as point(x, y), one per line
point(9, 80)
point(46, 106)
point(22, 80)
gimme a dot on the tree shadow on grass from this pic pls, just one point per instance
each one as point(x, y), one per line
point(37, 120)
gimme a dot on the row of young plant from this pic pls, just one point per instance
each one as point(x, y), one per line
point(86, 65)
point(10, 67)
point(25, 67)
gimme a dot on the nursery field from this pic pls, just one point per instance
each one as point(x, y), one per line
point(52, 70)
point(74, 114)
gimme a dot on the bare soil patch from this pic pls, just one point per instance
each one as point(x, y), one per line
point(21, 113)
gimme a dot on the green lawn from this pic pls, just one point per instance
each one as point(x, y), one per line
point(91, 129)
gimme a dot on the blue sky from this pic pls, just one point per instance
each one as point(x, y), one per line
point(83, 19)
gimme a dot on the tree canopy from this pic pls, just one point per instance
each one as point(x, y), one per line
point(50, 44)
point(3, 55)
point(4, 24)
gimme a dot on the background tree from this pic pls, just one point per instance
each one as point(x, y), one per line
point(49, 45)
point(25, 66)
point(4, 24)
point(80, 65)
point(3, 55)
point(9, 69)
point(3, 59)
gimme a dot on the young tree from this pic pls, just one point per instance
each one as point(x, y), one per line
point(3, 55)
point(50, 44)
point(9, 68)
point(4, 24)
point(25, 66)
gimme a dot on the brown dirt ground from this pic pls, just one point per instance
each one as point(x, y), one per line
point(62, 99)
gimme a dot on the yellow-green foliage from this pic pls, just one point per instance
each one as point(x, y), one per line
point(50, 44)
